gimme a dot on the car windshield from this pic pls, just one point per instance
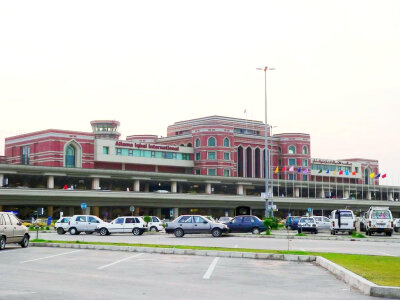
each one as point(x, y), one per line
point(380, 214)
point(296, 218)
point(306, 220)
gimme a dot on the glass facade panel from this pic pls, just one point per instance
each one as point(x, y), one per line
point(70, 157)
point(152, 154)
point(212, 172)
point(226, 142)
point(106, 150)
point(226, 172)
point(211, 155)
point(292, 150)
point(211, 142)
point(305, 162)
point(198, 156)
point(198, 143)
point(226, 155)
point(25, 152)
point(292, 161)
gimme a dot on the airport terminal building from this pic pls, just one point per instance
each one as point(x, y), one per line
point(207, 156)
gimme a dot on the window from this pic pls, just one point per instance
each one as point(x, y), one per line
point(279, 150)
point(226, 172)
point(291, 176)
point(197, 172)
point(80, 219)
point(247, 219)
point(292, 150)
point(198, 219)
point(130, 220)
point(356, 169)
point(118, 151)
point(305, 162)
point(198, 156)
point(280, 162)
point(14, 220)
point(106, 150)
point(198, 143)
point(226, 155)
point(237, 220)
point(305, 150)
point(93, 220)
point(226, 142)
point(70, 157)
point(185, 219)
point(211, 142)
point(130, 152)
point(212, 172)
point(2, 220)
point(119, 221)
point(25, 151)
point(211, 155)
point(137, 220)
point(305, 177)
point(155, 219)
point(292, 161)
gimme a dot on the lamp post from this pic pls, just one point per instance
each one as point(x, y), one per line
point(266, 158)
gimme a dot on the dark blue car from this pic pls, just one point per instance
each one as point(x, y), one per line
point(292, 223)
point(246, 224)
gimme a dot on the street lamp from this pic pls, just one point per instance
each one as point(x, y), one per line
point(266, 158)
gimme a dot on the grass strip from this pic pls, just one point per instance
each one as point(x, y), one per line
point(381, 270)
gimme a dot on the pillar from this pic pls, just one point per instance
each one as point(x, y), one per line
point(70, 211)
point(297, 192)
point(346, 193)
point(95, 183)
point(96, 211)
point(270, 190)
point(322, 193)
point(232, 212)
point(137, 211)
point(239, 189)
point(1, 180)
point(50, 210)
point(50, 182)
point(156, 169)
point(390, 196)
point(176, 212)
point(1, 207)
point(208, 188)
point(368, 195)
point(157, 212)
point(136, 185)
point(209, 212)
point(146, 187)
point(174, 187)
point(180, 188)
point(123, 167)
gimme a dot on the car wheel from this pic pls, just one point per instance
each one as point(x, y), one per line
point(298, 231)
point(179, 232)
point(396, 229)
point(25, 241)
point(255, 230)
point(216, 232)
point(316, 232)
point(136, 231)
point(60, 230)
point(103, 231)
point(73, 231)
point(153, 229)
point(388, 234)
point(333, 232)
point(2, 242)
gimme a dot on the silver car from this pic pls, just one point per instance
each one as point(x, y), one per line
point(62, 225)
point(194, 224)
point(83, 223)
point(12, 231)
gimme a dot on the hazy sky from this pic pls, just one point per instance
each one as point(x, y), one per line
point(151, 63)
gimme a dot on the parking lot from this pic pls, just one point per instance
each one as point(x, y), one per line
point(386, 248)
point(51, 273)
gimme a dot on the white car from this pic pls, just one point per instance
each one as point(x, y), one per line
point(155, 224)
point(379, 220)
point(322, 222)
point(396, 225)
point(136, 225)
point(83, 223)
point(62, 225)
point(342, 220)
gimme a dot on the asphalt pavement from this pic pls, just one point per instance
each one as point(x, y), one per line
point(57, 273)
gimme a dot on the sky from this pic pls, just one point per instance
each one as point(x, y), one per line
point(150, 63)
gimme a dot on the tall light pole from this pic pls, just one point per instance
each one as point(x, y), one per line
point(266, 158)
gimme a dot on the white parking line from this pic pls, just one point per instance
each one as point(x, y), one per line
point(22, 262)
point(207, 275)
point(235, 246)
point(118, 261)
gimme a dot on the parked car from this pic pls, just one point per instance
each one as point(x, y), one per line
point(224, 220)
point(12, 231)
point(246, 224)
point(83, 223)
point(136, 225)
point(291, 222)
point(323, 223)
point(62, 225)
point(379, 220)
point(396, 225)
point(155, 224)
point(307, 224)
point(342, 220)
point(194, 224)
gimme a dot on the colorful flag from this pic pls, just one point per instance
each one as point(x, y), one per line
point(320, 171)
point(299, 170)
point(305, 172)
point(353, 173)
point(341, 172)
point(347, 172)
point(327, 171)
point(384, 175)
point(291, 169)
point(284, 169)
point(377, 176)
point(372, 175)
point(277, 170)
point(334, 173)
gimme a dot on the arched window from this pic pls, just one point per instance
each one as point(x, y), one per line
point(70, 157)
point(226, 142)
point(279, 150)
point(292, 150)
point(305, 150)
point(198, 143)
point(189, 144)
point(211, 142)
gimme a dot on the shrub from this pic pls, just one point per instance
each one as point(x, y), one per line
point(357, 235)
point(270, 223)
point(47, 228)
point(147, 219)
point(301, 234)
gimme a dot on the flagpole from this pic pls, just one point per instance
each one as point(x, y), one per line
point(362, 187)
point(315, 186)
point(285, 183)
point(308, 187)
point(336, 185)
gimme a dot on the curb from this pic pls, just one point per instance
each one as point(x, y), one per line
point(341, 273)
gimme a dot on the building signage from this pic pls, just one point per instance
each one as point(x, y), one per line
point(327, 161)
point(147, 146)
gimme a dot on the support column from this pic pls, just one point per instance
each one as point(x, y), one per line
point(180, 188)
point(390, 196)
point(123, 167)
point(270, 190)
point(1, 180)
point(209, 212)
point(1, 207)
point(95, 183)
point(146, 187)
point(50, 182)
point(50, 211)
point(368, 195)
point(208, 188)
point(176, 212)
point(239, 189)
point(158, 212)
point(136, 185)
point(174, 187)
point(232, 212)
point(322, 193)
point(346, 193)
point(297, 192)
point(70, 211)
point(96, 211)
point(244, 162)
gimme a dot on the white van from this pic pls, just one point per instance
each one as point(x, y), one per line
point(379, 220)
point(342, 220)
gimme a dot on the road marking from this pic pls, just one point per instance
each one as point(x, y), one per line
point(384, 253)
point(65, 253)
point(235, 246)
point(118, 261)
point(211, 268)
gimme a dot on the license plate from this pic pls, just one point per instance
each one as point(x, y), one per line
point(345, 224)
